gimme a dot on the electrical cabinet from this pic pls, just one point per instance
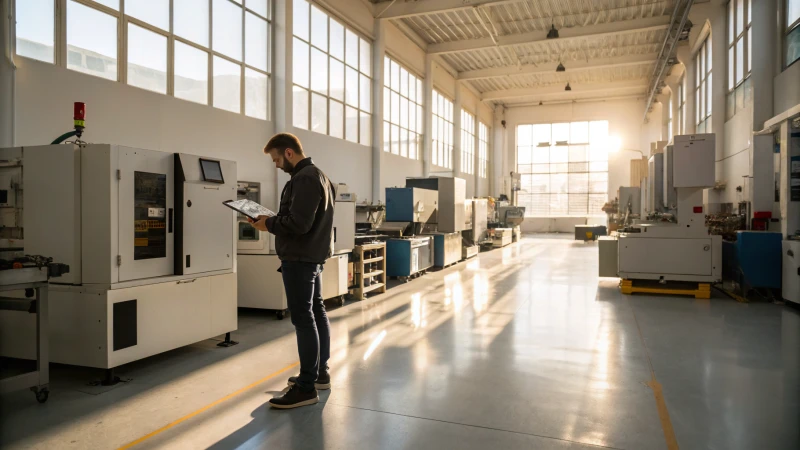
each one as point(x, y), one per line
point(693, 161)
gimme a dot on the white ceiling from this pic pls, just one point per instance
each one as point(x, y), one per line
point(500, 46)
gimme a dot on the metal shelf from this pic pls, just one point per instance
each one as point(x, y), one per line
point(373, 274)
point(373, 260)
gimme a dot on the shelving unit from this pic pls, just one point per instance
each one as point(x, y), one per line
point(364, 255)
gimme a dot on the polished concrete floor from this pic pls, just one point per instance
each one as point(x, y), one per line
point(523, 347)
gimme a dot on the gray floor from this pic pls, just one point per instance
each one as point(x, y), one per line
point(523, 347)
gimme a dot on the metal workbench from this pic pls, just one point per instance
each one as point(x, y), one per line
point(31, 278)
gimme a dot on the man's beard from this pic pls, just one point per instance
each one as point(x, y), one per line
point(287, 166)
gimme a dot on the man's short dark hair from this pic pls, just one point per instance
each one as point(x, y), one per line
point(282, 141)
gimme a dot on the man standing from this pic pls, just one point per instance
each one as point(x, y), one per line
point(303, 232)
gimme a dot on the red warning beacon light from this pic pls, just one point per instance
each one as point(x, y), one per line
point(79, 117)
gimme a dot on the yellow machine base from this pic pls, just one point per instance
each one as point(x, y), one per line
point(698, 290)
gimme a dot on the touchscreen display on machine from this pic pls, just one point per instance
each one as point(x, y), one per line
point(249, 208)
point(212, 171)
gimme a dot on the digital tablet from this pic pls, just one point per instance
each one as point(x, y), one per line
point(249, 208)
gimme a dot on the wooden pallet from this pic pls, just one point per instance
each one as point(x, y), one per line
point(697, 290)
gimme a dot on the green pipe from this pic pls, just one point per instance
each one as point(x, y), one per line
point(64, 137)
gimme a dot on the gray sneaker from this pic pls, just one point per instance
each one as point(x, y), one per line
point(323, 382)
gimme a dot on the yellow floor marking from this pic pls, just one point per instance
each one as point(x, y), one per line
point(663, 415)
point(205, 408)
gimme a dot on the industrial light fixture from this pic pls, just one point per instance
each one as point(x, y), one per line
point(553, 33)
point(561, 67)
point(567, 87)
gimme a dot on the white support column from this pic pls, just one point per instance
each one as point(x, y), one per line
point(719, 93)
point(761, 195)
point(378, 54)
point(427, 156)
point(499, 151)
point(457, 154)
point(7, 77)
point(282, 79)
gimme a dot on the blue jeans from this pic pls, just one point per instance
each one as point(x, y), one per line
point(303, 284)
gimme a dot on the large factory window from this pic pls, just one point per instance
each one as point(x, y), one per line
point(238, 56)
point(332, 70)
point(792, 42)
point(563, 168)
point(442, 130)
point(702, 88)
point(740, 17)
point(483, 150)
point(402, 110)
point(467, 142)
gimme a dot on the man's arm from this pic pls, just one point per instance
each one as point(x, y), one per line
point(305, 199)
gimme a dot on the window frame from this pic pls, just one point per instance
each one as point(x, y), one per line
point(311, 92)
point(467, 143)
point(703, 111)
point(681, 106)
point(437, 120)
point(483, 150)
point(738, 35)
point(123, 21)
point(788, 29)
point(418, 104)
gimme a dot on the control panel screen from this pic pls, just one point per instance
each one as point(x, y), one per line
point(212, 171)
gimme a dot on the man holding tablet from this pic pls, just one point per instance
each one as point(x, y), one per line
point(303, 230)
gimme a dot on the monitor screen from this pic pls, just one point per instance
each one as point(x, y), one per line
point(212, 171)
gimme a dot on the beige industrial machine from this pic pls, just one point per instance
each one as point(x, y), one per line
point(150, 246)
point(682, 251)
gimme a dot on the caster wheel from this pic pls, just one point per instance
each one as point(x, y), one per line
point(280, 315)
point(340, 302)
point(42, 395)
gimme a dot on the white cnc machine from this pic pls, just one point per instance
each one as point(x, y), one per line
point(682, 251)
point(150, 247)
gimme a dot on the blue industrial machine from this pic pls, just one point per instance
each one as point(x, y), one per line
point(408, 256)
point(754, 260)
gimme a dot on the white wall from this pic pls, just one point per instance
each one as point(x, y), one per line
point(120, 114)
point(787, 89)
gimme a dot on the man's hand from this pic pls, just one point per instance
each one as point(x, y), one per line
point(260, 224)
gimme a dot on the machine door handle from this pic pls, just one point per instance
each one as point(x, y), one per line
point(169, 221)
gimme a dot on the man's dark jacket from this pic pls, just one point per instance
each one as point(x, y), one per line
point(303, 228)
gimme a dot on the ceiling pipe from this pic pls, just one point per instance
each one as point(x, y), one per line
point(666, 54)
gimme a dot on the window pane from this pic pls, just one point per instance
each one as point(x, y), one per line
point(319, 29)
point(337, 40)
point(337, 79)
point(412, 118)
point(300, 19)
point(255, 94)
point(113, 4)
point(731, 70)
point(255, 43)
point(154, 12)
point(404, 82)
point(300, 63)
point(419, 118)
point(404, 142)
point(560, 132)
point(731, 33)
point(579, 132)
point(395, 117)
point(793, 45)
point(319, 71)
point(708, 53)
point(190, 20)
point(739, 16)
point(351, 125)
point(319, 113)
point(147, 59)
point(792, 11)
point(412, 88)
point(708, 96)
point(351, 49)
point(35, 29)
point(260, 7)
point(227, 30)
point(403, 112)
point(191, 73)
point(366, 58)
point(227, 85)
point(91, 50)
point(395, 78)
point(366, 99)
point(749, 64)
point(413, 139)
point(387, 142)
point(739, 60)
point(395, 140)
point(300, 108)
point(366, 135)
point(336, 118)
point(351, 87)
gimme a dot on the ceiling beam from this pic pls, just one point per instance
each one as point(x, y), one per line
point(558, 90)
point(565, 35)
point(404, 8)
point(572, 66)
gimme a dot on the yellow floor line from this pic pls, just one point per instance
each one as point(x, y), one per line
point(663, 415)
point(205, 408)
